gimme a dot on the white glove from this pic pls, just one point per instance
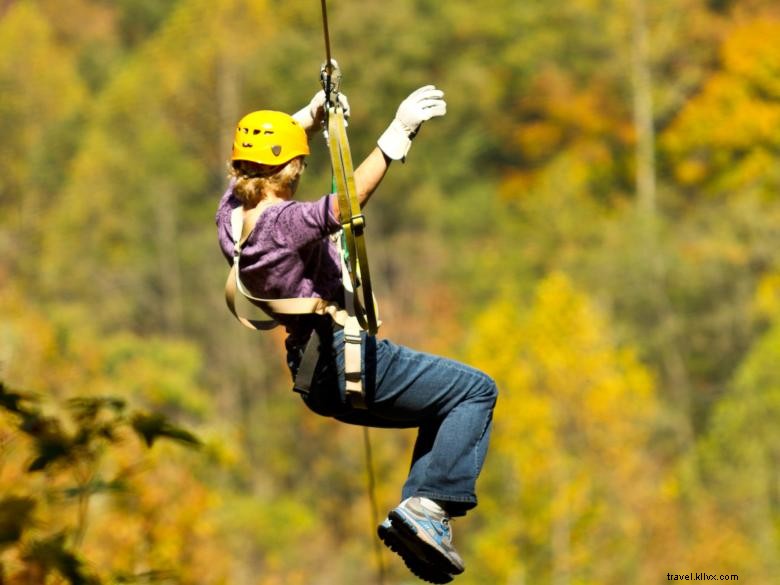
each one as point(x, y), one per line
point(423, 104)
point(312, 115)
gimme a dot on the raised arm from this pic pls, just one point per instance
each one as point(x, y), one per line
point(423, 104)
point(370, 173)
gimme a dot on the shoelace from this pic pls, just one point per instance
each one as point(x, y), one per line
point(445, 532)
point(441, 527)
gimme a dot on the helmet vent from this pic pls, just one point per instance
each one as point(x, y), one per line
point(277, 150)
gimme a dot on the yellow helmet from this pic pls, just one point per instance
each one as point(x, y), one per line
point(269, 138)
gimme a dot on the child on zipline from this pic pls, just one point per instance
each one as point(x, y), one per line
point(288, 252)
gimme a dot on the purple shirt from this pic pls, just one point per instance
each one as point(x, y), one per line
point(288, 253)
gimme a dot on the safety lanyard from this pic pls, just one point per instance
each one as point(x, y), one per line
point(352, 220)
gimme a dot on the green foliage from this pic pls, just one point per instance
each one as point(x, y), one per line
point(40, 118)
point(741, 448)
point(155, 426)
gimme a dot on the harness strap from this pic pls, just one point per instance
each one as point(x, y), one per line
point(352, 221)
point(269, 307)
point(309, 359)
point(353, 376)
point(294, 306)
point(301, 306)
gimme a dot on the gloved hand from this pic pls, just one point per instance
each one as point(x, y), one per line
point(312, 115)
point(423, 104)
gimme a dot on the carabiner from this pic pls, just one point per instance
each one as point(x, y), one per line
point(330, 79)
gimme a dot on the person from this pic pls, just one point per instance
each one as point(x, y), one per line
point(289, 252)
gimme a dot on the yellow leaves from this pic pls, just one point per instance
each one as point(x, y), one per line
point(571, 427)
point(500, 547)
point(751, 53)
point(29, 345)
point(538, 139)
point(767, 299)
point(729, 135)
point(163, 520)
point(691, 170)
point(89, 21)
point(727, 114)
point(566, 132)
point(555, 363)
point(568, 343)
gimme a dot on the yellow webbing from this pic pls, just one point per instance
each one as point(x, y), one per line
point(352, 221)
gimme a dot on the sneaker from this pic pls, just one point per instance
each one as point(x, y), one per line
point(425, 529)
point(417, 565)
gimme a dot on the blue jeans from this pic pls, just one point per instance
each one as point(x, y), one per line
point(450, 403)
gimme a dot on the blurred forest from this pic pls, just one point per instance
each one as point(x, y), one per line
point(595, 223)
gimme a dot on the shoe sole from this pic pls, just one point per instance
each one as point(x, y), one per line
point(418, 567)
point(421, 542)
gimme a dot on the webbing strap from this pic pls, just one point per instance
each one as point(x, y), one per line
point(295, 306)
point(352, 220)
point(308, 364)
point(352, 357)
point(353, 378)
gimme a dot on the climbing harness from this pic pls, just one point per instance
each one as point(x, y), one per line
point(300, 306)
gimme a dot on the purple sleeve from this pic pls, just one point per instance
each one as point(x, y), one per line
point(301, 222)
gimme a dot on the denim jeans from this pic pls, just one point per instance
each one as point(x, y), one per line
point(451, 405)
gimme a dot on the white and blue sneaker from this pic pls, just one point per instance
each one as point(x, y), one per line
point(411, 558)
point(424, 528)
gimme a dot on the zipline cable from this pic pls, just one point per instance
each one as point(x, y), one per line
point(327, 35)
point(353, 226)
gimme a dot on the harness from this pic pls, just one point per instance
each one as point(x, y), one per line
point(343, 316)
point(359, 312)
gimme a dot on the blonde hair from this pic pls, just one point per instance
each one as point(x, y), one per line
point(253, 181)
